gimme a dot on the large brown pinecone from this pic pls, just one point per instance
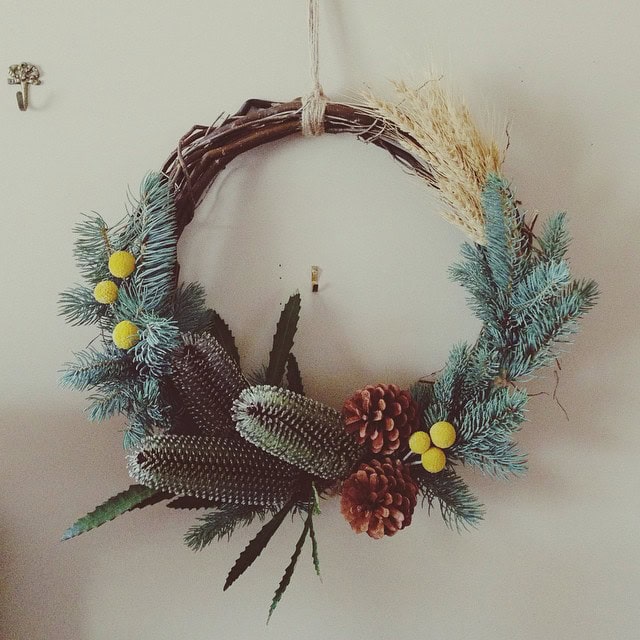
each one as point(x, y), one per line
point(379, 498)
point(382, 415)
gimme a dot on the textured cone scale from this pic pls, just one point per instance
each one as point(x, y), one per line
point(379, 498)
point(384, 416)
point(302, 431)
point(219, 469)
point(208, 380)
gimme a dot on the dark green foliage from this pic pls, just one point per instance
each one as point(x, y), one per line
point(485, 431)
point(220, 469)
point(151, 237)
point(221, 523)
point(283, 340)
point(458, 506)
point(300, 430)
point(135, 497)
point(505, 240)
point(208, 381)
point(294, 377)
point(78, 306)
point(158, 338)
point(187, 502)
point(529, 306)
point(288, 573)
point(554, 239)
point(92, 248)
point(313, 511)
point(189, 308)
point(93, 368)
point(220, 330)
point(257, 545)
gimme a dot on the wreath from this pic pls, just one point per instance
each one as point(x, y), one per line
point(203, 435)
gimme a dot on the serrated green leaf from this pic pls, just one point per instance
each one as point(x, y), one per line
point(136, 496)
point(294, 378)
point(190, 503)
point(257, 545)
point(283, 340)
point(220, 330)
point(314, 549)
point(288, 573)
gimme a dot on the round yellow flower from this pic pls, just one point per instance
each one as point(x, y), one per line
point(434, 460)
point(125, 335)
point(106, 292)
point(419, 442)
point(122, 264)
point(443, 434)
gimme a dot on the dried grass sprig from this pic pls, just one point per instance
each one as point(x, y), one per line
point(434, 126)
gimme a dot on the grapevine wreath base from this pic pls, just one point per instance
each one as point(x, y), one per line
point(203, 435)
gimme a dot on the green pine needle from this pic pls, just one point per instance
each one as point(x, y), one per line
point(459, 508)
point(135, 497)
point(283, 340)
point(221, 523)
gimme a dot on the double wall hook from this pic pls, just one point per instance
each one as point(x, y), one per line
point(23, 74)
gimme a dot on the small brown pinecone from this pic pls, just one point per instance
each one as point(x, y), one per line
point(384, 415)
point(379, 498)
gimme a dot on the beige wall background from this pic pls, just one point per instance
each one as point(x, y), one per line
point(558, 554)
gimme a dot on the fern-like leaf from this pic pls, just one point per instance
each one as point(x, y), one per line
point(221, 331)
point(288, 573)
point(257, 545)
point(283, 340)
point(135, 497)
point(294, 377)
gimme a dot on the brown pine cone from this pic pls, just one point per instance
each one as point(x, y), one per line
point(384, 415)
point(379, 498)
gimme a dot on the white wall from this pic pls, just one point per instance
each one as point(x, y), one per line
point(558, 554)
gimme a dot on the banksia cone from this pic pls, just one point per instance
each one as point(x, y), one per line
point(379, 498)
point(304, 432)
point(382, 415)
point(218, 469)
point(208, 380)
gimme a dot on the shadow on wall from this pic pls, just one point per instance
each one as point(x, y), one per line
point(55, 467)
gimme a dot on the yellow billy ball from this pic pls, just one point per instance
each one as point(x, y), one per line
point(122, 264)
point(125, 335)
point(419, 442)
point(443, 434)
point(434, 460)
point(106, 292)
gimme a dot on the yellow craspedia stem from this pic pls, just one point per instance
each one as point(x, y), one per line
point(419, 442)
point(434, 460)
point(443, 434)
point(122, 264)
point(106, 292)
point(125, 335)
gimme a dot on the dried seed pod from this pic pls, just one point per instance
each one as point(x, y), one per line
point(304, 432)
point(208, 380)
point(216, 468)
point(379, 498)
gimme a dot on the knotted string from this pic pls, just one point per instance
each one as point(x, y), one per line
point(314, 103)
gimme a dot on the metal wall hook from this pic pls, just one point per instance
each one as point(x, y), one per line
point(23, 74)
